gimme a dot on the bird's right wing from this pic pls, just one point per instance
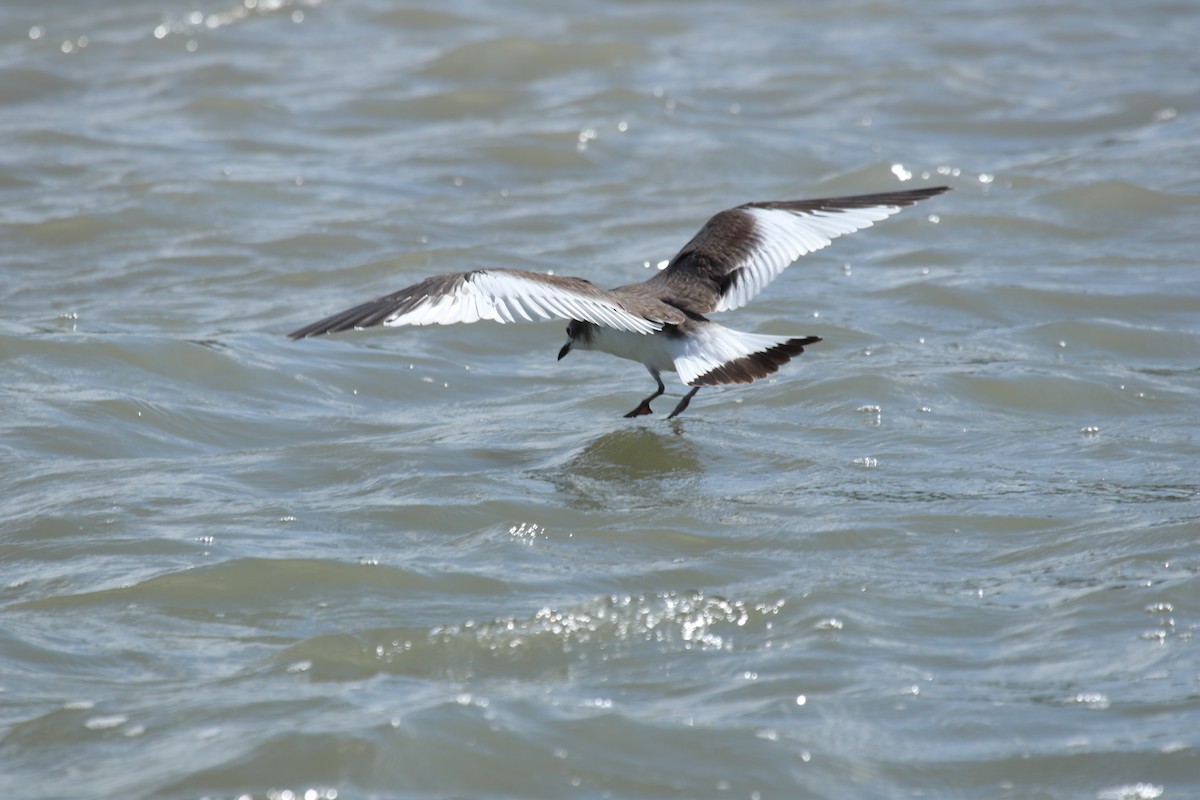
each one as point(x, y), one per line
point(501, 295)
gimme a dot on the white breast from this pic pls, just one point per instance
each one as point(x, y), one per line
point(653, 350)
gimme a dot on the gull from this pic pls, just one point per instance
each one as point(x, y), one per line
point(661, 322)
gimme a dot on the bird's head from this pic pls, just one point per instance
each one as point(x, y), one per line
point(579, 334)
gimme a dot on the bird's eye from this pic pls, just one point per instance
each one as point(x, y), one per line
point(568, 330)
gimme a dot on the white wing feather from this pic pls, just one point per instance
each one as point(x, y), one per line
point(496, 295)
point(784, 236)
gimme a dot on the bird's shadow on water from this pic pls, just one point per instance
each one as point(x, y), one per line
point(644, 461)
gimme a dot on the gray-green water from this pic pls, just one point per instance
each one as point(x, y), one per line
point(950, 552)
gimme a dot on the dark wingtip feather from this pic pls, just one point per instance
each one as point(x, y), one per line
point(361, 316)
point(912, 196)
point(902, 198)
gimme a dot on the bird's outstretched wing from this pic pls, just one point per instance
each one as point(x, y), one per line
point(739, 251)
point(501, 295)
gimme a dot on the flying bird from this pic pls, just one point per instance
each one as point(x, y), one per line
point(661, 322)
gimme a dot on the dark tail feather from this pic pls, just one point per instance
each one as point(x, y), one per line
point(756, 365)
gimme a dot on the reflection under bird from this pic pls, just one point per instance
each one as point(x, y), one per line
point(660, 322)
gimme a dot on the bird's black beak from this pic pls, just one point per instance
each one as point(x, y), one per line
point(566, 348)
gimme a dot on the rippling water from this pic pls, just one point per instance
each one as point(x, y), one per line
point(952, 551)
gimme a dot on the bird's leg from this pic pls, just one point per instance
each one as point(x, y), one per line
point(687, 398)
point(644, 406)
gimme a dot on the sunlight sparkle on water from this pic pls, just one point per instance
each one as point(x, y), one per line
point(104, 723)
point(1136, 791)
point(1093, 700)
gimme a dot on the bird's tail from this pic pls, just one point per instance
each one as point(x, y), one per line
point(714, 355)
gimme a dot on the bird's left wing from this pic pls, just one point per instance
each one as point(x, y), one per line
point(739, 251)
point(501, 295)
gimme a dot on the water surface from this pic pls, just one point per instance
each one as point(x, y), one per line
point(952, 551)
